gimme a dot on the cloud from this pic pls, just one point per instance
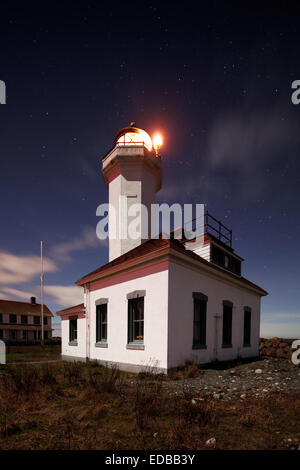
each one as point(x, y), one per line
point(62, 251)
point(22, 268)
point(241, 151)
point(19, 294)
point(66, 296)
point(248, 144)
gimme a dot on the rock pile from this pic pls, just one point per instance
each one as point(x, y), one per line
point(276, 347)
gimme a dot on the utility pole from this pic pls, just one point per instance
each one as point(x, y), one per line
point(42, 295)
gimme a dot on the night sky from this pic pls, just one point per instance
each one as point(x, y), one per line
point(215, 80)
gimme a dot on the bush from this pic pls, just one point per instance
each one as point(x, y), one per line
point(105, 379)
point(147, 401)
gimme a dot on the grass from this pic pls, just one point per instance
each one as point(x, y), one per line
point(87, 406)
point(32, 353)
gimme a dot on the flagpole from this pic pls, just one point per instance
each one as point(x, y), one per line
point(42, 294)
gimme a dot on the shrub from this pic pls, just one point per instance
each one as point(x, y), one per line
point(147, 401)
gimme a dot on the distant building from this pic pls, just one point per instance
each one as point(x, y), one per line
point(161, 302)
point(20, 322)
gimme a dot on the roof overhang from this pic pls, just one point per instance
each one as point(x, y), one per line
point(72, 311)
point(171, 253)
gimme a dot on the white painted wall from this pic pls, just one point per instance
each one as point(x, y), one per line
point(168, 320)
point(183, 281)
point(138, 181)
point(155, 322)
point(138, 185)
point(203, 251)
point(74, 351)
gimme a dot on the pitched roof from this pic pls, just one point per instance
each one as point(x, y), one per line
point(72, 310)
point(156, 245)
point(23, 308)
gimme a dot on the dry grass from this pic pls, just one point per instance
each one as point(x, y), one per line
point(87, 406)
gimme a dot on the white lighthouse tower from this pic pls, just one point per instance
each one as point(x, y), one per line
point(132, 173)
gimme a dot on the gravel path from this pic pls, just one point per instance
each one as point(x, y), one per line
point(255, 379)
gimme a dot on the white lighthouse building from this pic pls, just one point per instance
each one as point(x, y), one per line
point(132, 173)
point(160, 302)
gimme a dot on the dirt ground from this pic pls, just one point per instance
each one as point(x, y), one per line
point(87, 406)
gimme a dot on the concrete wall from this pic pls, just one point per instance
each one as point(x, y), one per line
point(183, 281)
point(155, 323)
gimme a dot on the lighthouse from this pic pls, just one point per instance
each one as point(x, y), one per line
point(132, 173)
point(159, 301)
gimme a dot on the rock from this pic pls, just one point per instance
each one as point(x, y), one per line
point(243, 395)
point(194, 401)
point(271, 352)
point(211, 442)
point(258, 371)
point(217, 396)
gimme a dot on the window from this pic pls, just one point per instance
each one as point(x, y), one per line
point(101, 323)
point(45, 320)
point(12, 318)
point(12, 335)
point(36, 320)
point(34, 335)
point(225, 260)
point(1, 334)
point(1, 318)
point(24, 319)
point(46, 335)
point(227, 323)
point(136, 320)
point(199, 330)
point(24, 335)
point(73, 330)
point(247, 326)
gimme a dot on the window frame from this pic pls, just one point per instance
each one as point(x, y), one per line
point(36, 320)
point(247, 312)
point(200, 300)
point(132, 341)
point(101, 310)
point(73, 331)
point(227, 304)
point(24, 322)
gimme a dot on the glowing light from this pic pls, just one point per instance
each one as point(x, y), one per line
point(136, 138)
point(157, 142)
